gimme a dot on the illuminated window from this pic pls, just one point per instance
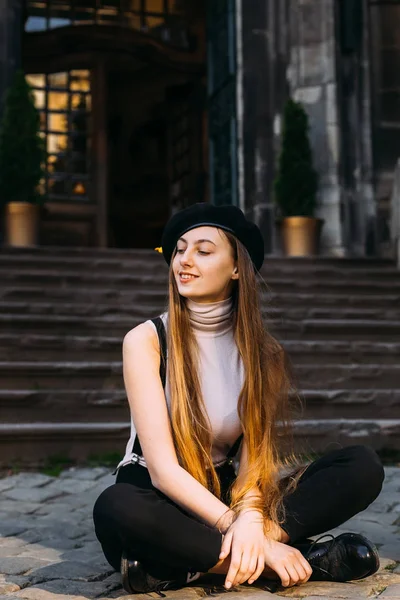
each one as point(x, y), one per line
point(64, 103)
point(161, 18)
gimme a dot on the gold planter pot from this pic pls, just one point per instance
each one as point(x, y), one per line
point(21, 224)
point(301, 235)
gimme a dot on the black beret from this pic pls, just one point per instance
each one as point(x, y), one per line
point(227, 217)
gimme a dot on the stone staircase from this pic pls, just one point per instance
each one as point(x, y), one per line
point(64, 313)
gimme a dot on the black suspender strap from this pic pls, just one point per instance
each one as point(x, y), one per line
point(162, 338)
point(233, 451)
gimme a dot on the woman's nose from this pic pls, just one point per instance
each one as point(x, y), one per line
point(186, 257)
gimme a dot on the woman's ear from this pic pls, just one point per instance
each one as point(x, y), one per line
point(235, 272)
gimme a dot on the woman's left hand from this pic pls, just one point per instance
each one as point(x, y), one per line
point(244, 540)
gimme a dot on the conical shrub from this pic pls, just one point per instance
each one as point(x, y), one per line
point(22, 152)
point(296, 183)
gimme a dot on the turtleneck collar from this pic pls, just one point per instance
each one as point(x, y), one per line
point(213, 318)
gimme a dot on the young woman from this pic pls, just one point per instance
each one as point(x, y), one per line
point(208, 390)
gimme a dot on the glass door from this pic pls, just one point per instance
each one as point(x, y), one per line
point(221, 49)
point(64, 101)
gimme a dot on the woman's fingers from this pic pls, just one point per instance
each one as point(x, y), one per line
point(283, 574)
point(307, 567)
point(259, 569)
point(296, 572)
point(300, 572)
point(226, 545)
point(304, 569)
point(247, 568)
point(234, 566)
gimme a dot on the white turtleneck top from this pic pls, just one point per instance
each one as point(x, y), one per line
point(221, 375)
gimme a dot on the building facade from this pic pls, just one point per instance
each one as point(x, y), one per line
point(150, 105)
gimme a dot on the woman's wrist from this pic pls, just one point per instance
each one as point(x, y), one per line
point(225, 521)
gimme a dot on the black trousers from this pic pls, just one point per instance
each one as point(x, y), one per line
point(132, 516)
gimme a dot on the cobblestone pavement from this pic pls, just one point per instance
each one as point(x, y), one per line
point(48, 550)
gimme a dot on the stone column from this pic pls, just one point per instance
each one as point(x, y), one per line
point(312, 78)
point(11, 29)
point(263, 50)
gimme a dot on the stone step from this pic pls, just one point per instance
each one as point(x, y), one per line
point(308, 329)
point(148, 254)
point(349, 403)
point(323, 434)
point(31, 444)
point(25, 346)
point(158, 298)
point(115, 297)
point(106, 405)
point(149, 263)
point(348, 376)
point(347, 352)
point(108, 375)
point(336, 329)
point(354, 284)
point(145, 311)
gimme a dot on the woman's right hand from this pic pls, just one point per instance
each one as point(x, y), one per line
point(287, 562)
point(244, 541)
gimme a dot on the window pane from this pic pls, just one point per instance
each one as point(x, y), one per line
point(40, 98)
point(82, 101)
point(84, 16)
point(57, 122)
point(79, 163)
point(79, 188)
point(37, 8)
point(109, 4)
point(42, 116)
point(60, 14)
point(36, 80)
point(56, 142)
point(132, 21)
point(35, 24)
point(174, 6)
point(154, 22)
point(80, 81)
point(55, 22)
point(60, 167)
point(108, 17)
point(58, 100)
point(131, 5)
point(79, 145)
point(59, 186)
point(79, 123)
point(56, 162)
point(42, 186)
point(58, 80)
point(156, 6)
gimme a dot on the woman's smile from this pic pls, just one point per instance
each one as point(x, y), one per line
point(187, 278)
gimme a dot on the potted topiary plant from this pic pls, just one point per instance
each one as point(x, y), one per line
point(296, 185)
point(22, 155)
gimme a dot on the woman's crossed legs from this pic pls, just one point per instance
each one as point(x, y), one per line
point(138, 519)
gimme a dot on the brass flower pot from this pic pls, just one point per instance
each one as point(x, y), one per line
point(21, 224)
point(301, 235)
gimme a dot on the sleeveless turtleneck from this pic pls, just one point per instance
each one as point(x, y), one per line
point(214, 318)
point(221, 374)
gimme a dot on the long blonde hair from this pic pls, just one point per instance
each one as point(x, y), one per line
point(263, 404)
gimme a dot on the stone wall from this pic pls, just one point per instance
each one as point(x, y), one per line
point(10, 42)
point(257, 91)
point(311, 74)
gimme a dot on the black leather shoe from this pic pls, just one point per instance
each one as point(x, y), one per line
point(348, 557)
point(136, 579)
